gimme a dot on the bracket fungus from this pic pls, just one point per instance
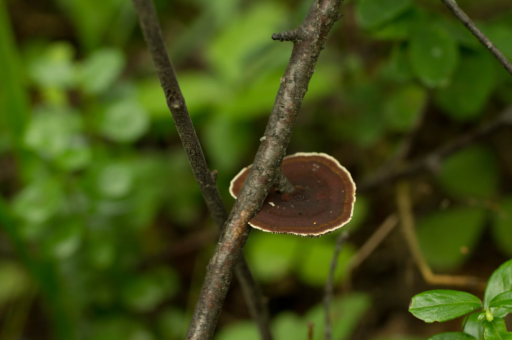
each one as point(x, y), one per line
point(322, 202)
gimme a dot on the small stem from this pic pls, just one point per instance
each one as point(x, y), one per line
point(330, 283)
point(470, 25)
point(294, 35)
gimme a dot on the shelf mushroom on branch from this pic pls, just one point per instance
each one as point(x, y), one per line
point(322, 202)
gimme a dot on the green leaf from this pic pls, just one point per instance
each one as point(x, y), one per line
point(98, 72)
point(51, 130)
point(502, 300)
point(144, 292)
point(434, 55)
point(242, 40)
point(403, 107)
point(471, 86)
point(346, 313)
point(313, 269)
point(288, 325)
point(65, 240)
point(77, 155)
point(459, 33)
point(502, 226)
point(499, 282)
point(452, 336)
point(372, 13)
point(474, 327)
point(400, 28)
point(39, 201)
point(54, 68)
point(443, 305)
point(240, 330)
point(398, 67)
point(500, 36)
point(446, 237)
point(124, 121)
point(496, 330)
point(115, 180)
point(271, 256)
point(482, 179)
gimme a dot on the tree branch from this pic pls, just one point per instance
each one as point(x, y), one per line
point(153, 35)
point(432, 161)
point(330, 283)
point(470, 25)
point(317, 24)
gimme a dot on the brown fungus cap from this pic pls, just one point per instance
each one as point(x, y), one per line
point(323, 202)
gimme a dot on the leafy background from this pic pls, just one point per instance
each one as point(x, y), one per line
point(103, 232)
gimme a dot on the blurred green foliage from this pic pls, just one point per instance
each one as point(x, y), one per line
point(102, 184)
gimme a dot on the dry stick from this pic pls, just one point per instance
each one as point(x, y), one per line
point(407, 222)
point(432, 161)
point(330, 284)
point(470, 25)
point(320, 19)
point(206, 180)
point(374, 241)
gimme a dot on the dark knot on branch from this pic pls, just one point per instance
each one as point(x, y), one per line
point(294, 35)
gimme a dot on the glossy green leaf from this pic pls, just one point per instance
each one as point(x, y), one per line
point(473, 327)
point(443, 305)
point(372, 13)
point(240, 330)
point(502, 300)
point(446, 237)
point(346, 314)
point(499, 282)
point(471, 86)
point(502, 226)
point(452, 336)
point(313, 269)
point(124, 121)
point(433, 55)
point(496, 330)
point(99, 71)
point(403, 108)
point(271, 256)
point(480, 182)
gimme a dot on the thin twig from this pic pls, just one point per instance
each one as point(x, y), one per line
point(320, 19)
point(311, 328)
point(407, 222)
point(470, 25)
point(374, 241)
point(206, 179)
point(330, 284)
point(432, 161)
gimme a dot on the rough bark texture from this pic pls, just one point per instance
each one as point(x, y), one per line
point(294, 84)
point(206, 179)
point(470, 25)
